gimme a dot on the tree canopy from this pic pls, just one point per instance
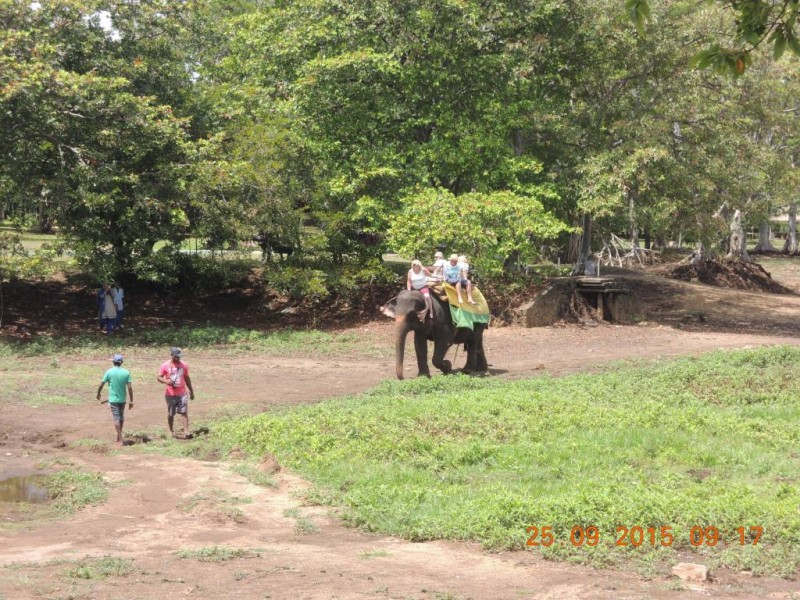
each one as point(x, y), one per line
point(346, 129)
point(751, 24)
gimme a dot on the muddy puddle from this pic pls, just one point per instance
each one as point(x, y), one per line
point(23, 488)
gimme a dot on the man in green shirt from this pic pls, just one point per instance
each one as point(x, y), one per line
point(119, 381)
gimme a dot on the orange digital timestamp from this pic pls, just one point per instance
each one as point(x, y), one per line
point(644, 536)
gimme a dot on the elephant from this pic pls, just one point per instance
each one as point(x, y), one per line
point(405, 310)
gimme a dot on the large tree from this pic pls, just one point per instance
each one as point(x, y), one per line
point(386, 98)
point(661, 148)
point(87, 139)
point(749, 25)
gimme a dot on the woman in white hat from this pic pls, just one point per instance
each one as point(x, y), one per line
point(418, 280)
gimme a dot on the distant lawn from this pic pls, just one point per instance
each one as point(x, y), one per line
point(711, 441)
point(34, 241)
point(231, 340)
point(784, 269)
point(29, 240)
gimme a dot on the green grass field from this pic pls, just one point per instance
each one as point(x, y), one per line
point(710, 442)
point(230, 340)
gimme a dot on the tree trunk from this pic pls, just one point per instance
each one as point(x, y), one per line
point(632, 196)
point(44, 223)
point(737, 248)
point(790, 245)
point(518, 142)
point(511, 262)
point(700, 255)
point(586, 246)
point(764, 238)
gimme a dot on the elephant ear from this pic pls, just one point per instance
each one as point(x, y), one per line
point(389, 309)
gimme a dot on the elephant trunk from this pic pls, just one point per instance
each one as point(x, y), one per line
point(400, 343)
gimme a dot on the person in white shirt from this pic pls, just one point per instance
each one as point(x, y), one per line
point(437, 270)
point(464, 264)
point(418, 280)
point(109, 310)
point(455, 275)
point(118, 295)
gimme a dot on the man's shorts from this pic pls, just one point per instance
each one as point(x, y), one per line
point(177, 404)
point(117, 411)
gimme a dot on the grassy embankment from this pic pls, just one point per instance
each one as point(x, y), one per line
point(228, 340)
point(709, 441)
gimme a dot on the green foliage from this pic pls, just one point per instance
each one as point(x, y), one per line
point(101, 568)
point(755, 22)
point(303, 525)
point(209, 274)
point(243, 185)
point(707, 440)
point(315, 283)
point(431, 94)
point(92, 445)
point(18, 263)
point(297, 282)
point(222, 121)
point(72, 489)
point(721, 60)
point(489, 227)
point(255, 476)
point(87, 136)
point(639, 12)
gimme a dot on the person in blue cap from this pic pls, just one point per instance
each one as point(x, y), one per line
point(119, 383)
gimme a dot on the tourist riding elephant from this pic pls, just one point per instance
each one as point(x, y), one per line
point(405, 310)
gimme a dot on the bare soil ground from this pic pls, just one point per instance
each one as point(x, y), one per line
point(163, 504)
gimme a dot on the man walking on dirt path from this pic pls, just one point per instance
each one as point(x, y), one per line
point(175, 375)
point(119, 382)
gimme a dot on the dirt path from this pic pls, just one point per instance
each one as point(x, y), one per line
point(165, 504)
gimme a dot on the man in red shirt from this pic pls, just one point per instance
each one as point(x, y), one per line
point(175, 375)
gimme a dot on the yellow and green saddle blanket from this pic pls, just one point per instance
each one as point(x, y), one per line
point(466, 314)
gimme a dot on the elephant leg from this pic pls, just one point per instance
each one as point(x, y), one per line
point(440, 348)
point(469, 348)
point(476, 357)
point(421, 350)
point(481, 364)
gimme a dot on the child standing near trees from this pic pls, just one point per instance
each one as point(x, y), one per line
point(418, 280)
point(109, 309)
point(464, 264)
point(119, 296)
